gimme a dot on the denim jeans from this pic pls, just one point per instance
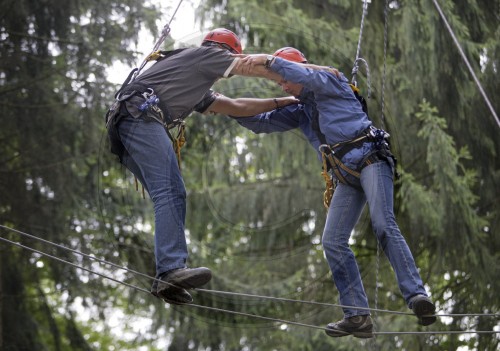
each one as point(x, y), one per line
point(150, 156)
point(344, 212)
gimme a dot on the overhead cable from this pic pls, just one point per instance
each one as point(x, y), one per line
point(464, 57)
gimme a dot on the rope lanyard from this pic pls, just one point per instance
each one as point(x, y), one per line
point(329, 184)
point(386, 28)
point(154, 53)
point(359, 59)
point(358, 50)
point(179, 141)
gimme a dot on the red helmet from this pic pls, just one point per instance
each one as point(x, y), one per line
point(225, 37)
point(291, 54)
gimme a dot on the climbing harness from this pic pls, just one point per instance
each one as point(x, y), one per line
point(149, 107)
point(334, 154)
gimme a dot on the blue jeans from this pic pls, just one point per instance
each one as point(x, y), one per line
point(344, 212)
point(150, 156)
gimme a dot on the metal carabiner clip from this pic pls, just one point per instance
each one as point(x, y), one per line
point(148, 93)
point(325, 148)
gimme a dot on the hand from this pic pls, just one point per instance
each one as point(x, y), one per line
point(334, 71)
point(324, 68)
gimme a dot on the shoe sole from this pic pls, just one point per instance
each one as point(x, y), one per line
point(176, 302)
point(340, 333)
point(336, 333)
point(168, 295)
point(424, 310)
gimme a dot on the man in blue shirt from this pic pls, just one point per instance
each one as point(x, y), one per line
point(334, 121)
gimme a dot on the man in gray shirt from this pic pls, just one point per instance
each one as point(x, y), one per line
point(163, 96)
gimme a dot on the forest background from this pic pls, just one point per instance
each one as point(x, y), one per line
point(255, 213)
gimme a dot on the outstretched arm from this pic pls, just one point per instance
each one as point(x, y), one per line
point(244, 107)
point(257, 62)
point(243, 67)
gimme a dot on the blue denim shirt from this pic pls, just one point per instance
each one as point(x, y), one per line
point(286, 118)
point(341, 117)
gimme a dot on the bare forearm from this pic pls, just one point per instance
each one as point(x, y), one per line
point(256, 70)
point(244, 107)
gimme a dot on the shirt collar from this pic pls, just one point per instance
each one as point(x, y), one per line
point(306, 96)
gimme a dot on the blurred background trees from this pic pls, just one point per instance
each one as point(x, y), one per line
point(255, 213)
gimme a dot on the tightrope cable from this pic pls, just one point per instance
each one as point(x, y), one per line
point(72, 264)
point(239, 294)
point(271, 319)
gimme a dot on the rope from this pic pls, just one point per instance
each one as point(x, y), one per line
point(271, 319)
point(271, 298)
point(358, 50)
point(164, 34)
point(283, 321)
point(355, 68)
point(329, 185)
point(377, 271)
point(368, 79)
point(72, 264)
point(377, 277)
point(179, 141)
point(490, 106)
point(386, 26)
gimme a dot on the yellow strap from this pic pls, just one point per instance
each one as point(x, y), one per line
point(354, 88)
point(179, 142)
point(155, 55)
point(329, 186)
point(345, 168)
point(137, 187)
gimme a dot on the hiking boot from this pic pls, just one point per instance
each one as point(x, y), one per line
point(183, 278)
point(172, 295)
point(357, 326)
point(423, 307)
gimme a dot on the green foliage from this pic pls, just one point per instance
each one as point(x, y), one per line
point(255, 213)
point(53, 92)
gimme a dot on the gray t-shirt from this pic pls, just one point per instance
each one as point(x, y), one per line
point(183, 80)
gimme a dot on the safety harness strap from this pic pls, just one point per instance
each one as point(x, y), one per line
point(329, 183)
point(131, 88)
point(332, 158)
